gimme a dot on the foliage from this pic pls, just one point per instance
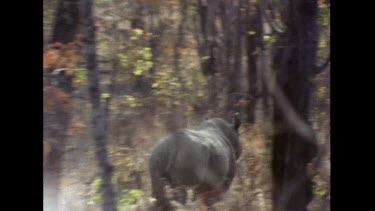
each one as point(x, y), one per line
point(130, 199)
point(58, 55)
point(48, 16)
point(80, 76)
point(324, 15)
point(131, 101)
point(269, 40)
point(104, 96)
point(96, 185)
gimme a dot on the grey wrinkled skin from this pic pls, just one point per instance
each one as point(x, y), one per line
point(203, 159)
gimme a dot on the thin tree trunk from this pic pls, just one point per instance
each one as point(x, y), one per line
point(137, 19)
point(99, 120)
point(235, 52)
point(207, 48)
point(157, 29)
point(254, 47)
point(294, 64)
point(179, 114)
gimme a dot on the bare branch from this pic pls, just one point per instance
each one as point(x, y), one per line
point(271, 22)
point(302, 129)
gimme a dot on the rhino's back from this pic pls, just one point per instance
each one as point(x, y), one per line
point(199, 156)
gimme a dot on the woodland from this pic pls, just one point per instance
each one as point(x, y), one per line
point(119, 75)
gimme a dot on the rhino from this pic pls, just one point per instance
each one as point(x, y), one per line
point(203, 159)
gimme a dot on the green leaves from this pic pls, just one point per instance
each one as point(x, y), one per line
point(132, 101)
point(124, 61)
point(268, 38)
point(139, 67)
point(146, 53)
point(324, 16)
point(133, 38)
point(80, 75)
point(129, 199)
point(251, 33)
point(145, 63)
point(138, 32)
point(97, 185)
point(104, 96)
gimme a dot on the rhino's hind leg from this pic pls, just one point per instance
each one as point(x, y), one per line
point(180, 195)
point(207, 195)
point(158, 192)
point(158, 182)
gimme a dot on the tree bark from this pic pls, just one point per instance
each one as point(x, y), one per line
point(208, 48)
point(137, 21)
point(99, 118)
point(179, 114)
point(254, 46)
point(294, 62)
point(234, 53)
point(66, 21)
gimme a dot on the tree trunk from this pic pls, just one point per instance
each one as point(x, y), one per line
point(294, 61)
point(235, 28)
point(254, 46)
point(99, 118)
point(208, 48)
point(137, 21)
point(66, 22)
point(178, 116)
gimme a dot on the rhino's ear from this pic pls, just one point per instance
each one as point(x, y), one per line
point(236, 121)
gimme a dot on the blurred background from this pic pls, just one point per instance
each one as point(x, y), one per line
point(120, 74)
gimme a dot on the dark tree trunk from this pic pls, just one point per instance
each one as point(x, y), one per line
point(254, 46)
point(226, 47)
point(99, 116)
point(208, 48)
point(234, 52)
point(137, 19)
point(294, 62)
point(66, 21)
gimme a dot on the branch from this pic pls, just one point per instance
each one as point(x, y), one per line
point(297, 123)
point(272, 23)
point(302, 129)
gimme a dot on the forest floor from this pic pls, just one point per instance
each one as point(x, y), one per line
point(250, 190)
